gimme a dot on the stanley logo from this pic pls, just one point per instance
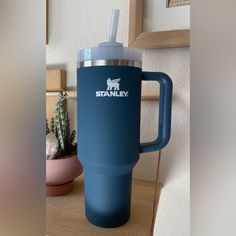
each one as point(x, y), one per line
point(113, 89)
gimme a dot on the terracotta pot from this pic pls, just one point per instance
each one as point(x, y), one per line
point(60, 174)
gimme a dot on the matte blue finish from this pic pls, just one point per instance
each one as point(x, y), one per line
point(164, 122)
point(109, 137)
point(108, 203)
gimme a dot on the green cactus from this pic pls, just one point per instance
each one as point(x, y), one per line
point(60, 126)
point(52, 127)
point(47, 128)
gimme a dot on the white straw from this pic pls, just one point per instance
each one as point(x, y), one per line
point(114, 24)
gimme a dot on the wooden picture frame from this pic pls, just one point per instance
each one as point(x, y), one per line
point(161, 39)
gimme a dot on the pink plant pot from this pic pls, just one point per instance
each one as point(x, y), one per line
point(60, 174)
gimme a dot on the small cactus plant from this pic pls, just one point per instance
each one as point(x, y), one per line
point(60, 126)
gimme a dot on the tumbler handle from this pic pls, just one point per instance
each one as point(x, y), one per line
point(164, 125)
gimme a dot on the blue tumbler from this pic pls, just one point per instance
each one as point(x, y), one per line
point(108, 125)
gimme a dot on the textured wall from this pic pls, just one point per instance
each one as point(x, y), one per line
point(173, 211)
point(75, 24)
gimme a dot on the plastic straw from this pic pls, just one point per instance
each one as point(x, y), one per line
point(114, 24)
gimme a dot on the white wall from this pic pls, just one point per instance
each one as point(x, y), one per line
point(75, 24)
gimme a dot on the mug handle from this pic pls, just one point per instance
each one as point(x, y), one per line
point(164, 123)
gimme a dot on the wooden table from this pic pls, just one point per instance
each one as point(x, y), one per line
point(65, 214)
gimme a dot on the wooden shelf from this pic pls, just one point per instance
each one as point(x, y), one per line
point(73, 95)
point(65, 214)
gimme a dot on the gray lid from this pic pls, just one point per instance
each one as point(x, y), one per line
point(110, 50)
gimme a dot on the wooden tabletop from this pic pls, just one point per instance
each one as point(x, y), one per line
point(65, 214)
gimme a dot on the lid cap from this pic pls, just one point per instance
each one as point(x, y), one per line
point(110, 50)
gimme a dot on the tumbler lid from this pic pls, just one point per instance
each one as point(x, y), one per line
point(110, 52)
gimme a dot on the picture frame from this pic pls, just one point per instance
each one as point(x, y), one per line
point(160, 39)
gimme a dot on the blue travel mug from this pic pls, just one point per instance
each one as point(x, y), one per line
point(108, 104)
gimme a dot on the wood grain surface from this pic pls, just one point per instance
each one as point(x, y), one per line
point(162, 39)
point(65, 214)
point(73, 95)
point(55, 80)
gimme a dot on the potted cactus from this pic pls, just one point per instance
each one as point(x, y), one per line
point(62, 165)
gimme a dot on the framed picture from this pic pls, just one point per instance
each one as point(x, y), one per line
point(159, 23)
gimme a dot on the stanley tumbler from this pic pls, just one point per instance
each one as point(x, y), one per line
point(109, 97)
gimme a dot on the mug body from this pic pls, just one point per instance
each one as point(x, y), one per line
point(108, 128)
